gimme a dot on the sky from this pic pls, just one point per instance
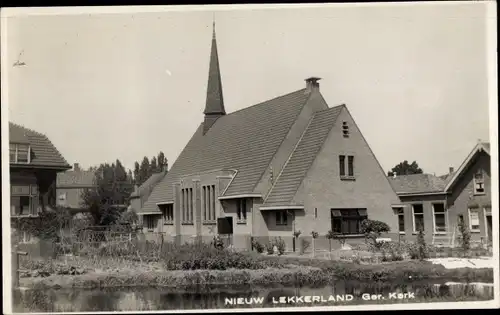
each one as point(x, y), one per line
point(121, 86)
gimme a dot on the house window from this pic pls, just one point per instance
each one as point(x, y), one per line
point(474, 220)
point(348, 221)
point(150, 222)
point(187, 205)
point(345, 129)
point(401, 220)
point(418, 218)
point(19, 153)
point(315, 213)
point(242, 211)
point(208, 204)
point(168, 214)
point(25, 237)
point(281, 217)
point(439, 218)
point(24, 199)
point(479, 183)
point(342, 165)
point(350, 165)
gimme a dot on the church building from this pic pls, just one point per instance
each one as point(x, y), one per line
point(291, 163)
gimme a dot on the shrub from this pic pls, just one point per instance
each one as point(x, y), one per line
point(305, 245)
point(372, 229)
point(218, 242)
point(330, 235)
point(296, 234)
point(280, 245)
point(257, 246)
point(314, 234)
point(270, 248)
point(422, 248)
point(464, 237)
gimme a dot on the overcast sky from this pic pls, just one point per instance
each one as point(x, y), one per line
point(108, 86)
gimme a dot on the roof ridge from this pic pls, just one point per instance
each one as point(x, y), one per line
point(266, 101)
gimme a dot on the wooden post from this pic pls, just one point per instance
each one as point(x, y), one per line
point(15, 266)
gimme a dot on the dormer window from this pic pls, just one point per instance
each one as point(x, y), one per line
point(19, 153)
point(479, 183)
point(345, 129)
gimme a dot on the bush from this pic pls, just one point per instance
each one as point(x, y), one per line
point(257, 246)
point(372, 229)
point(270, 248)
point(280, 245)
point(305, 245)
point(423, 250)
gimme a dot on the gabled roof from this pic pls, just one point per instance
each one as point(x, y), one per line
point(76, 178)
point(43, 152)
point(417, 183)
point(144, 190)
point(301, 159)
point(480, 147)
point(245, 140)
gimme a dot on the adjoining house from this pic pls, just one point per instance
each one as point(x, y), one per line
point(34, 165)
point(141, 194)
point(438, 203)
point(287, 164)
point(71, 185)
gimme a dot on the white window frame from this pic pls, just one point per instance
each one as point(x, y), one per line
point(469, 211)
point(486, 229)
point(401, 214)
point(16, 160)
point(420, 214)
point(434, 218)
point(481, 181)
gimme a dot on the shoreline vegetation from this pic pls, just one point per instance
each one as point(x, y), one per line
point(273, 270)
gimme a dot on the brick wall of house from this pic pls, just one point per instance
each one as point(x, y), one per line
point(323, 189)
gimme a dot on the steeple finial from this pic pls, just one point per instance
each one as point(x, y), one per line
point(214, 107)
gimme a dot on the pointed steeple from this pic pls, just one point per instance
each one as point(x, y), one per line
point(214, 107)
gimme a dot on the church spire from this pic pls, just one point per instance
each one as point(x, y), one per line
point(214, 107)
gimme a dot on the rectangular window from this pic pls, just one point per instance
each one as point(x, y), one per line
point(350, 165)
point(191, 205)
point(418, 218)
point(19, 153)
point(342, 165)
point(24, 199)
point(315, 213)
point(474, 220)
point(242, 211)
point(281, 217)
point(401, 220)
point(348, 221)
point(150, 222)
point(440, 219)
point(204, 203)
point(212, 198)
point(25, 237)
point(168, 213)
point(479, 183)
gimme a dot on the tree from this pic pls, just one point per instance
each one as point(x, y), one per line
point(162, 161)
point(153, 167)
point(144, 171)
point(404, 168)
point(112, 191)
point(137, 175)
point(372, 229)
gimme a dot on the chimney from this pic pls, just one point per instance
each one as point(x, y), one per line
point(451, 170)
point(312, 84)
point(76, 167)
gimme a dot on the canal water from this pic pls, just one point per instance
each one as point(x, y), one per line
point(156, 299)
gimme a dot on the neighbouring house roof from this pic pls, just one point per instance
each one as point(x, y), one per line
point(144, 190)
point(245, 140)
point(76, 179)
point(301, 159)
point(417, 183)
point(480, 147)
point(43, 152)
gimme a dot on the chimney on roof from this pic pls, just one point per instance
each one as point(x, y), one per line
point(451, 170)
point(312, 84)
point(76, 167)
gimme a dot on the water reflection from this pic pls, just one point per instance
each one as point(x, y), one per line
point(229, 297)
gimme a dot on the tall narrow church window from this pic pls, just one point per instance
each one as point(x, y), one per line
point(342, 165)
point(212, 197)
point(350, 165)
